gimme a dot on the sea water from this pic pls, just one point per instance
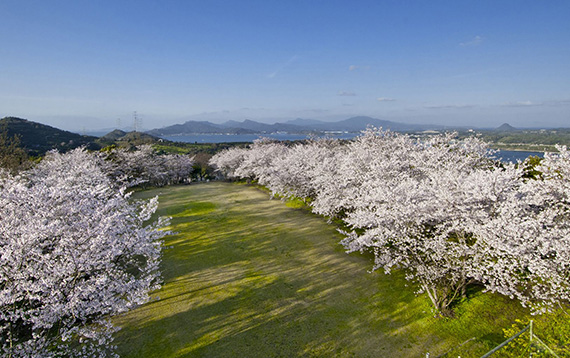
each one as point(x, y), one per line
point(504, 155)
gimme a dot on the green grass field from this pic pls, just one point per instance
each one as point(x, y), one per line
point(245, 276)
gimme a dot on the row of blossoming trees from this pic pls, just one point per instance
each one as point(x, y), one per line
point(75, 250)
point(439, 209)
point(144, 167)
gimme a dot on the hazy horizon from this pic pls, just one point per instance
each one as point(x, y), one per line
point(130, 126)
point(86, 66)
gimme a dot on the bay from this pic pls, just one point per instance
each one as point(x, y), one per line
point(513, 156)
point(232, 138)
point(503, 155)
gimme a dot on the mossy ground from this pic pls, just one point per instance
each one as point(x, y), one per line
point(245, 276)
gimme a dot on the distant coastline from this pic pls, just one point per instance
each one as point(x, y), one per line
point(233, 138)
point(506, 155)
point(514, 155)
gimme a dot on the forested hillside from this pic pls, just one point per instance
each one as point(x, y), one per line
point(38, 138)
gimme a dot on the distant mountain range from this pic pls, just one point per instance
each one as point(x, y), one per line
point(296, 126)
point(38, 138)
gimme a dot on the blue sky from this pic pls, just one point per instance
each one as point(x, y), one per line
point(82, 65)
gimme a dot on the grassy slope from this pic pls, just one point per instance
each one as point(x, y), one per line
point(250, 277)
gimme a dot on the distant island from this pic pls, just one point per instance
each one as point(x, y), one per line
point(38, 138)
point(296, 126)
point(505, 137)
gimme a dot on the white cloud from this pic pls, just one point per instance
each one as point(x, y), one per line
point(449, 106)
point(346, 94)
point(476, 41)
point(252, 109)
point(385, 99)
point(356, 67)
point(284, 66)
point(546, 103)
point(560, 102)
point(522, 104)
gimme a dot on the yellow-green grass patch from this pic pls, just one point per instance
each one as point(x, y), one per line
point(246, 276)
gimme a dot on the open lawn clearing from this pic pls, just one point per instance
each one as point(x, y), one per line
point(245, 276)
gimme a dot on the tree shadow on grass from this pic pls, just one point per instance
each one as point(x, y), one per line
point(261, 315)
point(250, 277)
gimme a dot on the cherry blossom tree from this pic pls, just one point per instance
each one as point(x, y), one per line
point(178, 168)
point(257, 164)
point(529, 240)
point(145, 167)
point(349, 171)
point(439, 208)
point(228, 161)
point(301, 171)
point(74, 251)
point(405, 202)
point(253, 163)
